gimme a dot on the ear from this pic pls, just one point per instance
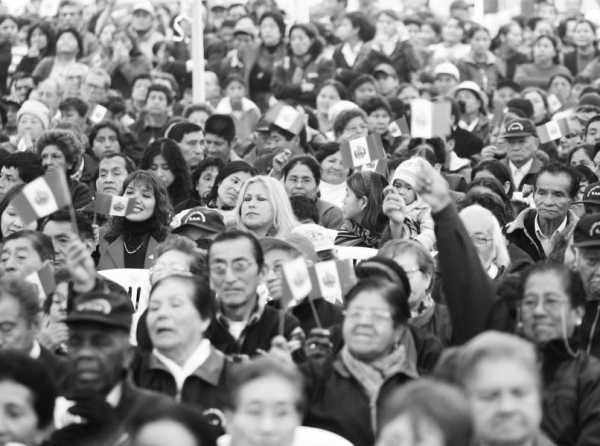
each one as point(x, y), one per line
point(204, 323)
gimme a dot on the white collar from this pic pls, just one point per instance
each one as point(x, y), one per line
point(470, 127)
point(114, 396)
point(36, 350)
point(350, 53)
point(541, 235)
point(524, 168)
point(181, 373)
point(492, 271)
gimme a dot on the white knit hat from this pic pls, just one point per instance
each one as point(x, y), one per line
point(37, 109)
point(407, 171)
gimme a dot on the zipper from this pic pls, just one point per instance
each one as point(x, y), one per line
point(589, 346)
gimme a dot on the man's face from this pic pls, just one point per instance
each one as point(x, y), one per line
point(22, 87)
point(587, 262)
point(16, 333)
point(71, 115)
point(217, 147)
point(98, 355)
point(61, 233)
point(505, 401)
point(18, 259)
point(521, 149)
point(234, 273)
point(193, 147)
point(69, 16)
point(111, 176)
point(9, 177)
point(504, 94)
point(94, 88)
point(156, 103)
point(444, 83)
point(141, 20)
point(592, 135)
point(274, 261)
point(551, 196)
point(386, 84)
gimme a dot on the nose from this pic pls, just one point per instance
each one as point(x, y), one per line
point(508, 402)
point(267, 423)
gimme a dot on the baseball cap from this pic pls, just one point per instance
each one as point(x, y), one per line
point(591, 195)
point(587, 231)
point(203, 218)
point(143, 5)
point(446, 68)
point(518, 128)
point(112, 309)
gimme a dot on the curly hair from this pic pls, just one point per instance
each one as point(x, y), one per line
point(163, 211)
point(66, 141)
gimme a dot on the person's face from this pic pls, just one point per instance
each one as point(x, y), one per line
point(504, 94)
point(452, 32)
point(141, 20)
point(242, 40)
point(470, 100)
point(192, 147)
point(69, 16)
point(427, 35)
point(140, 89)
point(333, 170)
point(16, 333)
point(257, 211)
point(539, 108)
point(546, 312)
point(419, 281)
point(407, 94)
point(368, 327)
point(561, 88)
point(71, 115)
point(274, 261)
point(61, 233)
point(67, 43)
point(364, 92)
point(235, 91)
point(403, 431)
point(46, 93)
point(405, 190)
point(353, 206)
point(514, 36)
point(10, 222)
point(356, 128)
point(266, 413)
point(345, 30)
point(592, 135)
point(379, 121)
point(53, 158)
point(269, 32)
point(444, 83)
point(581, 158)
point(18, 418)
point(300, 42)
point(19, 259)
point(97, 357)
point(386, 84)
point(9, 177)
point(94, 88)
point(8, 31)
point(211, 84)
point(161, 169)
point(164, 433)
point(145, 201)
point(505, 402)
point(199, 118)
point(229, 189)
point(326, 98)
point(106, 141)
point(217, 147)
point(22, 87)
point(482, 236)
point(234, 273)
point(157, 103)
point(58, 306)
point(30, 125)
point(543, 50)
point(587, 263)
point(276, 142)
point(480, 43)
point(583, 35)
point(206, 180)
point(173, 321)
point(300, 181)
point(521, 149)
point(111, 175)
point(551, 196)
point(106, 35)
point(386, 25)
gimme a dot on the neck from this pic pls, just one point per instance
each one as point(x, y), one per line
point(469, 117)
point(546, 63)
point(262, 232)
point(240, 312)
point(548, 226)
point(585, 50)
point(157, 119)
point(480, 57)
point(353, 41)
point(519, 164)
point(181, 353)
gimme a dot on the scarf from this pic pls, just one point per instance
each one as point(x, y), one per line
point(353, 234)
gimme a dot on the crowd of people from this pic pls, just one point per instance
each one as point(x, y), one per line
point(471, 314)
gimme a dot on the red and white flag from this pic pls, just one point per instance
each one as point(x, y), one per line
point(430, 119)
point(43, 279)
point(399, 128)
point(553, 130)
point(113, 205)
point(42, 196)
point(360, 151)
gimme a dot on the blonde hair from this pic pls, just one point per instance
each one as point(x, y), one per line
point(284, 219)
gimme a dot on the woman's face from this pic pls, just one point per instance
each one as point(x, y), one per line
point(18, 417)
point(386, 25)
point(39, 39)
point(452, 31)
point(106, 141)
point(229, 189)
point(161, 169)
point(354, 206)
point(10, 222)
point(469, 99)
point(206, 180)
point(67, 43)
point(300, 181)
point(300, 42)
point(584, 35)
point(581, 158)
point(327, 96)
point(53, 158)
point(145, 201)
point(333, 170)
point(368, 327)
point(481, 234)
point(8, 31)
point(480, 42)
point(561, 88)
point(427, 35)
point(419, 281)
point(546, 311)
point(543, 51)
point(173, 321)
point(356, 128)
point(269, 32)
point(257, 211)
point(364, 92)
point(31, 125)
point(344, 30)
point(403, 431)
point(539, 108)
point(58, 306)
point(106, 35)
point(514, 36)
point(379, 121)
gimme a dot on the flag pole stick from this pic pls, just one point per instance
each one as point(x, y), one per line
point(198, 89)
point(74, 219)
point(314, 312)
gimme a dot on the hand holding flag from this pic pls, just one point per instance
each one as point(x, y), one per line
point(43, 279)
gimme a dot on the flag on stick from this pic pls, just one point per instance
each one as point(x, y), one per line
point(429, 119)
point(113, 205)
point(553, 130)
point(42, 196)
point(399, 128)
point(286, 117)
point(360, 151)
point(43, 279)
point(332, 279)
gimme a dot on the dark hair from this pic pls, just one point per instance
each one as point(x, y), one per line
point(103, 125)
point(232, 235)
point(370, 185)
point(305, 160)
point(376, 103)
point(499, 170)
point(196, 107)
point(77, 36)
point(304, 208)
point(326, 150)
point(590, 150)
point(344, 117)
point(229, 169)
point(41, 243)
point(502, 32)
point(182, 185)
point(177, 131)
point(489, 193)
point(28, 164)
point(556, 168)
point(317, 45)
point(437, 145)
point(337, 85)
point(202, 297)
point(382, 267)
point(25, 293)
point(392, 293)
point(65, 141)
point(475, 29)
point(264, 367)
point(129, 164)
point(84, 224)
point(593, 119)
point(142, 76)
point(366, 28)
point(32, 374)
point(203, 165)
point(556, 58)
point(571, 280)
point(47, 29)
point(160, 88)
point(159, 227)
point(80, 106)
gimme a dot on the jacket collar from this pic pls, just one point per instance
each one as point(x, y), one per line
point(116, 253)
point(526, 221)
point(406, 368)
point(490, 59)
point(210, 370)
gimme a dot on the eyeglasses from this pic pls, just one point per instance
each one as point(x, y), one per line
point(550, 304)
point(375, 315)
point(237, 266)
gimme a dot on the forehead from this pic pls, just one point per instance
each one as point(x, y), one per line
point(369, 298)
point(554, 181)
point(15, 244)
point(300, 169)
point(193, 135)
point(57, 227)
point(278, 255)
point(174, 256)
point(268, 389)
point(140, 185)
point(172, 286)
point(231, 249)
point(111, 163)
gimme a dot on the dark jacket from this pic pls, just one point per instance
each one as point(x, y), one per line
point(571, 59)
point(337, 402)
point(112, 253)
point(262, 327)
point(365, 62)
point(436, 322)
point(404, 59)
point(329, 314)
point(529, 178)
point(589, 331)
point(80, 194)
point(485, 74)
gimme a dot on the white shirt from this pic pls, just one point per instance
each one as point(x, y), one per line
point(36, 350)
point(546, 240)
point(351, 54)
point(518, 173)
point(181, 373)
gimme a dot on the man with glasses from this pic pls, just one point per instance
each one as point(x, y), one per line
point(242, 326)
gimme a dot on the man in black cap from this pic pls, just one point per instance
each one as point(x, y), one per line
point(520, 138)
point(219, 135)
point(387, 80)
point(200, 224)
point(591, 199)
point(100, 401)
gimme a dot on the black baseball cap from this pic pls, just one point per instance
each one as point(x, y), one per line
point(591, 195)
point(112, 309)
point(208, 220)
point(587, 232)
point(518, 128)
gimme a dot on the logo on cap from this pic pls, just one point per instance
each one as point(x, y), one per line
point(515, 127)
point(595, 229)
point(196, 216)
point(95, 306)
point(594, 191)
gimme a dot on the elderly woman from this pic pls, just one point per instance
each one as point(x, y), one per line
point(264, 209)
point(332, 187)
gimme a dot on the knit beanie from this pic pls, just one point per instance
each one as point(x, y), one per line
point(407, 171)
point(37, 109)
